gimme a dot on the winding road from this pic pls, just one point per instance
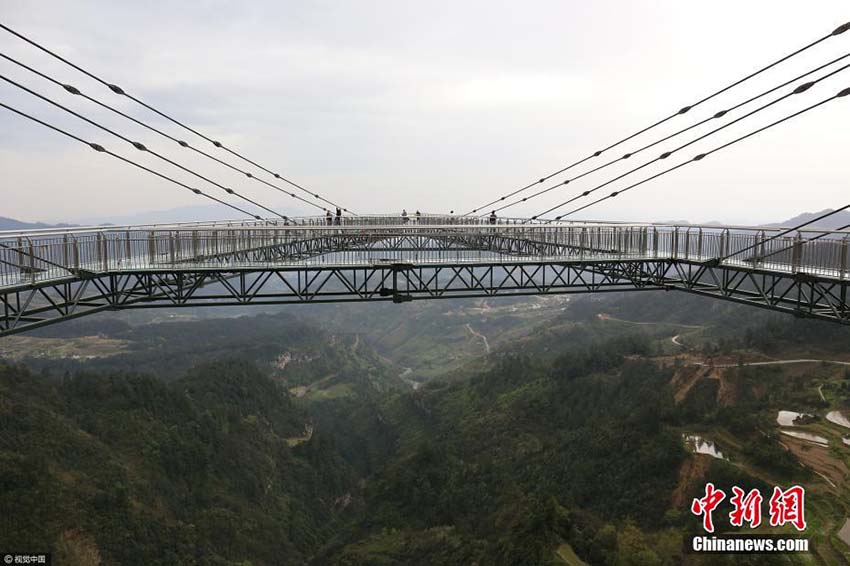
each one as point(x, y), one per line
point(603, 316)
point(479, 335)
point(773, 363)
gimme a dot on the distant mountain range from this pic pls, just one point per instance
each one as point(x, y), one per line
point(186, 214)
point(193, 213)
point(834, 222)
point(181, 214)
point(837, 221)
point(12, 224)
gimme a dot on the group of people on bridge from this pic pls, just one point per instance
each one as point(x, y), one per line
point(405, 219)
point(332, 220)
point(336, 219)
point(418, 215)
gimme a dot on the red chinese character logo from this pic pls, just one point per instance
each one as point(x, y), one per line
point(707, 504)
point(787, 507)
point(747, 508)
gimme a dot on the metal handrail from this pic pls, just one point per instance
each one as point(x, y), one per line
point(389, 220)
point(30, 258)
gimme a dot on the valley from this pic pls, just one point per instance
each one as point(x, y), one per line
point(583, 417)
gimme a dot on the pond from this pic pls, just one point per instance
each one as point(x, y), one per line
point(838, 418)
point(702, 446)
point(787, 418)
point(807, 436)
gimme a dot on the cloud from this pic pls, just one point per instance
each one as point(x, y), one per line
point(510, 92)
point(440, 105)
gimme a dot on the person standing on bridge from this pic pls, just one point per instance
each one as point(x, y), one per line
point(404, 216)
point(493, 217)
point(338, 220)
point(328, 218)
point(418, 216)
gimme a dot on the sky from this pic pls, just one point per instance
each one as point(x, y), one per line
point(435, 106)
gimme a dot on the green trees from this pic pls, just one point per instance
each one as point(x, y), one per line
point(580, 445)
point(501, 458)
point(126, 469)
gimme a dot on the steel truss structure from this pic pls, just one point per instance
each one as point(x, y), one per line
point(46, 279)
point(28, 308)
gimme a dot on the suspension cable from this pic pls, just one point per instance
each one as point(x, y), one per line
point(702, 156)
point(75, 91)
point(800, 89)
point(101, 149)
point(141, 147)
point(120, 91)
point(837, 31)
point(788, 231)
point(715, 116)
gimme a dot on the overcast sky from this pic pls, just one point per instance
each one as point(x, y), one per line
point(432, 105)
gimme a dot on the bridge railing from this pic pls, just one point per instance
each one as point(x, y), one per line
point(818, 253)
point(29, 257)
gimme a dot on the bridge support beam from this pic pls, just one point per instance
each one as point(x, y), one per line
point(27, 307)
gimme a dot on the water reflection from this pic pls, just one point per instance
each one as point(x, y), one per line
point(787, 418)
point(838, 418)
point(702, 446)
point(807, 436)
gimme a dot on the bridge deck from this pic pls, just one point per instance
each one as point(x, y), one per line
point(56, 274)
point(28, 258)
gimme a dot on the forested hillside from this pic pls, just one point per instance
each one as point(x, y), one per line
point(269, 440)
point(137, 471)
